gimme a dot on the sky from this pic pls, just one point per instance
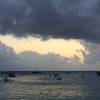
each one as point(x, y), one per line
point(49, 35)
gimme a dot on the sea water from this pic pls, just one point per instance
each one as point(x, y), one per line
point(71, 86)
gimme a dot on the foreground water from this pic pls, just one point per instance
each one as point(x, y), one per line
point(73, 86)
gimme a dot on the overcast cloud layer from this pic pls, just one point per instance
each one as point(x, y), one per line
point(77, 19)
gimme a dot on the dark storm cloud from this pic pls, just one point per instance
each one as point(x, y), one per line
point(69, 19)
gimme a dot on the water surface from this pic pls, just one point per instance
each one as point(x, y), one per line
point(73, 86)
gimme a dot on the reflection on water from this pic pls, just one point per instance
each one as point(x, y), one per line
point(71, 87)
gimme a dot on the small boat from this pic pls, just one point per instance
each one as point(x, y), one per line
point(11, 74)
point(56, 75)
point(6, 79)
point(82, 75)
point(59, 78)
point(98, 73)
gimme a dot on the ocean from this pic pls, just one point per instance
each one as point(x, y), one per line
point(47, 86)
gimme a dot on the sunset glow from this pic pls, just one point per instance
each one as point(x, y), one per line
point(65, 48)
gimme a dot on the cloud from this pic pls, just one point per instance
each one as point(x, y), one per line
point(28, 60)
point(93, 56)
point(69, 19)
point(7, 56)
